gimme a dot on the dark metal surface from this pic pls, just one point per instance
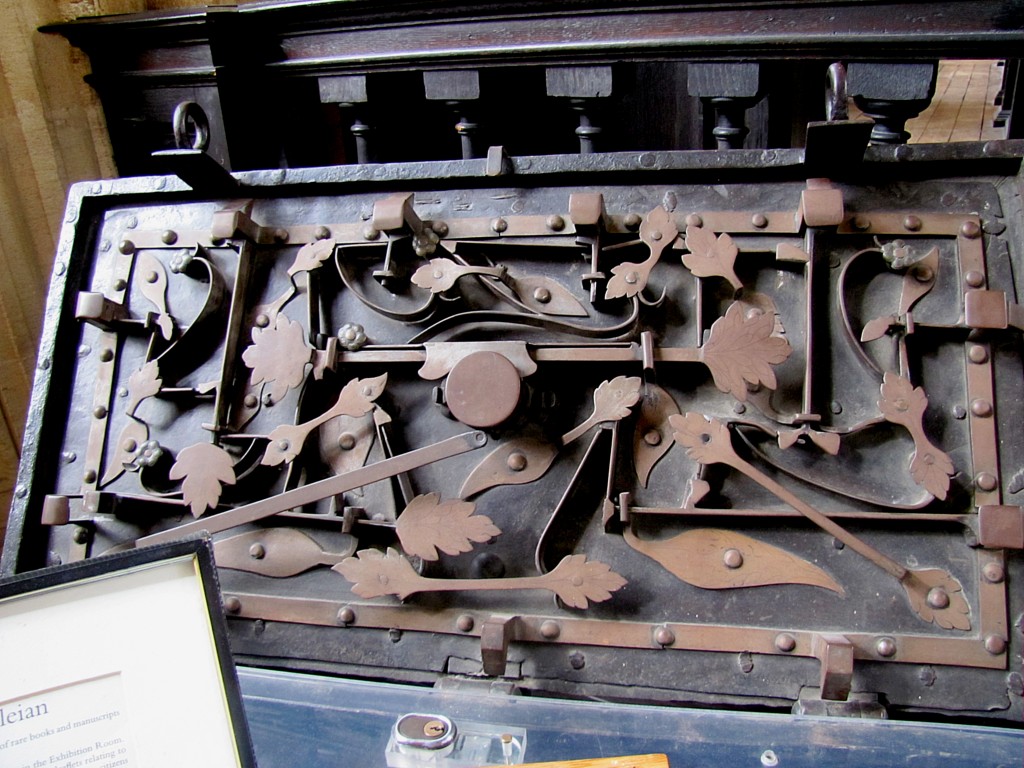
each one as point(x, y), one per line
point(737, 487)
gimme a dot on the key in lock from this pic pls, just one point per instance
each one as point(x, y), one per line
point(424, 731)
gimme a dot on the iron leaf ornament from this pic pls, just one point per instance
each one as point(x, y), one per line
point(427, 525)
point(741, 350)
point(205, 469)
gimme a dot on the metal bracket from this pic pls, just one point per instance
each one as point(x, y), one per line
point(821, 204)
point(96, 309)
point(234, 221)
point(495, 635)
point(1001, 526)
point(197, 169)
point(835, 652)
point(992, 309)
point(861, 705)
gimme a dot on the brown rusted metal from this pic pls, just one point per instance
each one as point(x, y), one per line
point(277, 552)
point(612, 401)
point(1001, 526)
point(495, 635)
point(482, 389)
point(521, 460)
point(836, 655)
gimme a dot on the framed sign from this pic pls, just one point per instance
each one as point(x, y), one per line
point(119, 661)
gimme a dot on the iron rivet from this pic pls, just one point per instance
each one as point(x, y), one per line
point(836, 407)
point(129, 445)
point(739, 408)
point(549, 630)
point(89, 476)
point(938, 598)
point(321, 233)
point(257, 551)
point(104, 245)
point(281, 235)
point(912, 223)
point(120, 285)
point(440, 228)
point(981, 408)
point(785, 642)
point(656, 235)
point(732, 558)
point(541, 295)
point(21, 491)
point(885, 647)
point(232, 604)
point(465, 623)
point(262, 320)
point(959, 412)
point(106, 355)
point(927, 676)
point(986, 481)
point(769, 759)
point(970, 229)
point(394, 635)
point(555, 223)
point(652, 437)
point(259, 627)
point(169, 237)
point(100, 412)
point(647, 160)
point(577, 660)
point(977, 354)
point(974, 279)
point(694, 220)
point(437, 274)
point(346, 615)
point(861, 222)
point(251, 401)
point(664, 636)
point(70, 457)
point(347, 441)
point(632, 220)
point(993, 573)
point(923, 273)
point(152, 276)
point(83, 351)
point(283, 445)
point(370, 233)
point(759, 220)
point(132, 222)
point(499, 225)
point(127, 247)
point(577, 581)
point(995, 644)
point(632, 277)
point(59, 268)
point(268, 400)
point(516, 461)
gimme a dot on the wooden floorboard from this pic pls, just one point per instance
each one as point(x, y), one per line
point(963, 107)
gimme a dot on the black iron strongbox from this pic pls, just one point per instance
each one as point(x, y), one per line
point(703, 428)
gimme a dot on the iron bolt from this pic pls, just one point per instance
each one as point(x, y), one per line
point(977, 354)
point(169, 237)
point(440, 228)
point(549, 630)
point(836, 407)
point(785, 642)
point(555, 223)
point(993, 573)
point(129, 445)
point(100, 411)
point(974, 279)
point(652, 437)
point(959, 412)
point(739, 408)
point(394, 635)
point(346, 441)
point(927, 676)
point(283, 445)
point(631, 278)
point(127, 247)
point(370, 233)
point(912, 223)
point(321, 233)
point(251, 401)
point(106, 355)
point(938, 598)
point(694, 220)
point(885, 646)
point(516, 461)
point(499, 225)
point(664, 636)
point(970, 229)
point(465, 623)
point(346, 615)
point(861, 222)
point(995, 644)
point(262, 320)
point(732, 558)
point(542, 295)
point(232, 604)
point(89, 476)
point(81, 535)
point(759, 220)
point(152, 276)
point(985, 481)
point(981, 408)
point(656, 235)
point(923, 273)
point(257, 551)
point(577, 661)
point(120, 284)
point(632, 220)
point(281, 235)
